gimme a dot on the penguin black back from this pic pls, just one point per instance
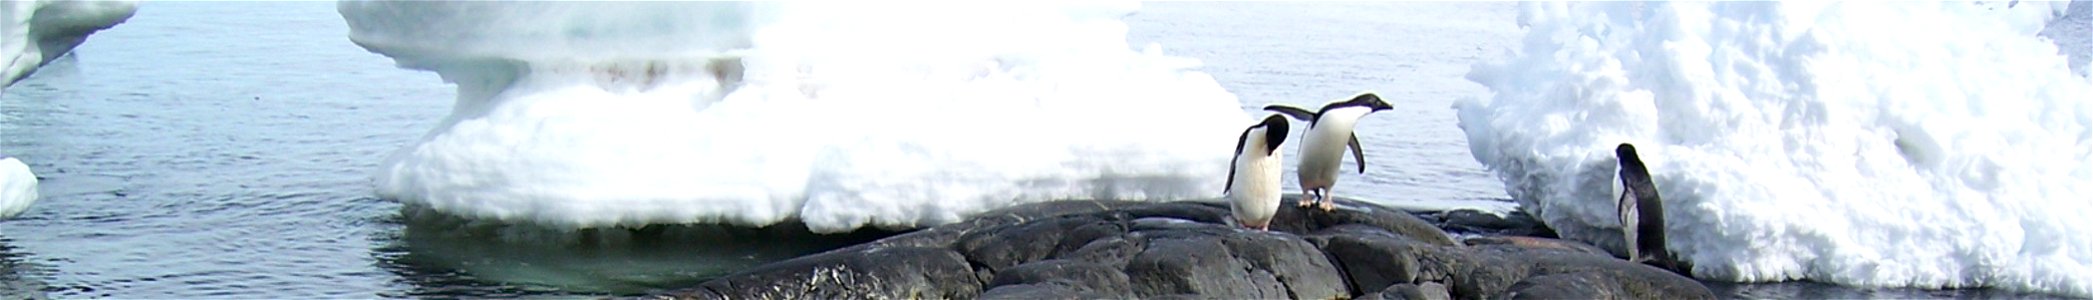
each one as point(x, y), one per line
point(1275, 132)
point(1367, 100)
point(1647, 209)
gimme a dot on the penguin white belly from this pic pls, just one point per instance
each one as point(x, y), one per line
point(1322, 152)
point(1255, 197)
point(17, 187)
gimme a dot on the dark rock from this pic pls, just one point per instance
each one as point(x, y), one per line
point(1583, 285)
point(901, 272)
point(1302, 220)
point(1199, 265)
point(1011, 245)
point(1372, 263)
point(1041, 292)
point(1111, 250)
point(1191, 250)
point(1603, 277)
point(1304, 270)
point(1091, 278)
point(1210, 212)
point(1421, 291)
point(1480, 222)
point(1533, 243)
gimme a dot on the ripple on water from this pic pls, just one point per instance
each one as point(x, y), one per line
point(436, 255)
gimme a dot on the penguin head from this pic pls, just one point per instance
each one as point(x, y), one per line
point(1275, 132)
point(1631, 164)
point(1626, 153)
point(1370, 100)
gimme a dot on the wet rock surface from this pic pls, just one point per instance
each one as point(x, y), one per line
point(1121, 249)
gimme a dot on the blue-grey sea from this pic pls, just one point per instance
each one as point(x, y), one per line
point(223, 150)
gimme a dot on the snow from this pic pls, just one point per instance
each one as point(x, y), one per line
point(1912, 144)
point(38, 31)
point(836, 114)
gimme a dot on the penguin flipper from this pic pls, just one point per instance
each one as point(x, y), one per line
point(1357, 154)
point(1239, 141)
point(1294, 112)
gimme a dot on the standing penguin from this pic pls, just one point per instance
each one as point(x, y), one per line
point(1253, 176)
point(1642, 213)
point(1329, 134)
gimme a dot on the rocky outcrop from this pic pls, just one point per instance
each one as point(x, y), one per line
point(1117, 249)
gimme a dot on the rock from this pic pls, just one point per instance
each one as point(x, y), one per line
point(1422, 291)
point(1041, 291)
point(1120, 249)
point(1198, 265)
point(1088, 278)
point(1603, 277)
point(1292, 219)
point(1008, 246)
point(899, 272)
point(1536, 243)
point(1303, 269)
point(1515, 223)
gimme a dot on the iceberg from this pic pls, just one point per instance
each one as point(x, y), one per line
point(17, 187)
point(838, 115)
point(1901, 144)
point(38, 31)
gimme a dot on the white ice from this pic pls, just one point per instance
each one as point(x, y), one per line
point(1916, 144)
point(34, 32)
point(839, 114)
point(17, 187)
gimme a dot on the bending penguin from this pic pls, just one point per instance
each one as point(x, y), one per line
point(1642, 212)
point(1323, 144)
point(1253, 176)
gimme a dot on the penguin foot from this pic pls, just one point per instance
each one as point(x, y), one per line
point(1327, 205)
point(1310, 199)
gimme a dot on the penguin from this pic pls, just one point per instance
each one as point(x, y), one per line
point(1324, 143)
point(1253, 176)
point(17, 187)
point(1642, 212)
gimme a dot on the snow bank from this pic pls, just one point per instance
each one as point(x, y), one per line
point(1912, 144)
point(839, 114)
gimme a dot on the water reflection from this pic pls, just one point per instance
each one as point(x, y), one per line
point(437, 255)
point(21, 278)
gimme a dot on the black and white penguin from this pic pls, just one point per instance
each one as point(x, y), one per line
point(1324, 143)
point(1642, 212)
point(1253, 176)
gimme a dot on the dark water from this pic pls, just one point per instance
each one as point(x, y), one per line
point(222, 150)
